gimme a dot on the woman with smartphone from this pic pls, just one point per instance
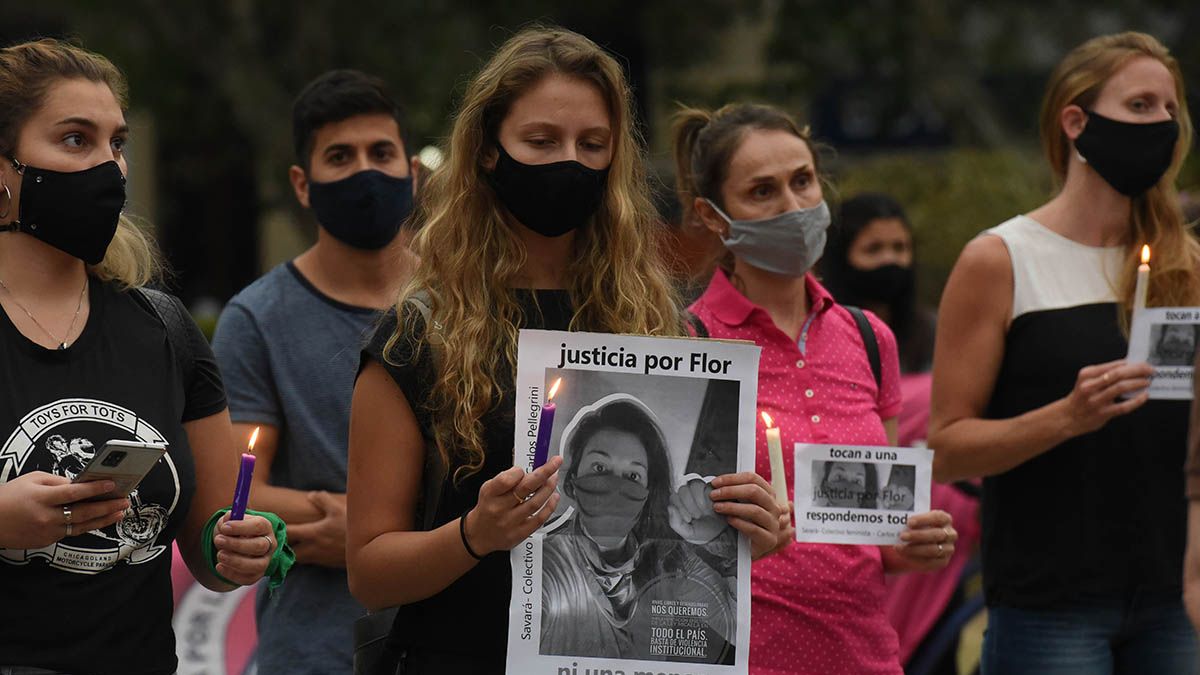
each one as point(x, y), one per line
point(87, 356)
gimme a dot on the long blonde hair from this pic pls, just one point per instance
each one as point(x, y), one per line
point(1156, 214)
point(27, 72)
point(470, 258)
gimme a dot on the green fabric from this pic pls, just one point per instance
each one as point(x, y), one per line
point(281, 560)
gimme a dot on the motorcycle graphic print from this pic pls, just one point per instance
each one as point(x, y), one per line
point(60, 438)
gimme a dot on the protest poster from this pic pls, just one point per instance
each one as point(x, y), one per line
point(634, 573)
point(859, 494)
point(1166, 337)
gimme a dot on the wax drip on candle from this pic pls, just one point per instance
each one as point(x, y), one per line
point(775, 453)
point(241, 490)
point(541, 449)
point(1142, 287)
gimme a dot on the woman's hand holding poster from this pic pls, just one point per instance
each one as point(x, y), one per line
point(635, 570)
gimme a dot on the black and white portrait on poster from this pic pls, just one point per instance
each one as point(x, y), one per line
point(1166, 338)
point(634, 569)
point(859, 494)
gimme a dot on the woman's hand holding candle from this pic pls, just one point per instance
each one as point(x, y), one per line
point(1098, 395)
point(244, 543)
point(244, 548)
point(512, 506)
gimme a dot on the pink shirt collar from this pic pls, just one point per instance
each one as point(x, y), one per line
point(732, 308)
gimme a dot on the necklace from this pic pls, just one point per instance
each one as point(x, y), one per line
point(62, 344)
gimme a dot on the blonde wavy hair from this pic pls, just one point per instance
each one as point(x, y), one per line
point(470, 257)
point(1157, 215)
point(27, 72)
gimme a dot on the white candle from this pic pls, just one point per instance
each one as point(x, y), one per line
point(1143, 281)
point(775, 452)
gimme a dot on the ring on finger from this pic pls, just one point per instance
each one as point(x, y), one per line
point(518, 498)
point(67, 515)
point(948, 535)
point(1105, 377)
point(941, 550)
point(270, 543)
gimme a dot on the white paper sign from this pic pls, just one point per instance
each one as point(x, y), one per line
point(1166, 337)
point(858, 494)
point(635, 572)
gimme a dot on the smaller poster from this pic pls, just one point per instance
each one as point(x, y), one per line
point(1166, 337)
point(858, 494)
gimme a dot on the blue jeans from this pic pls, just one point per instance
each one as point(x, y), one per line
point(1142, 633)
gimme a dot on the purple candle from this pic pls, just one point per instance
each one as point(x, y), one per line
point(541, 451)
point(241, 493)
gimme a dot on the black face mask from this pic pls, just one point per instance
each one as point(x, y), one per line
point(1129, 157)
point(365, 210)
point(886, 283)
point(75, 212)
point(550, 199)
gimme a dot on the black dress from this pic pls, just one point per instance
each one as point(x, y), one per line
point(1102, 515)
point(463, 629)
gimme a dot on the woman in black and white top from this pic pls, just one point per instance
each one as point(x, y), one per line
point(86, 357)
point(1031, 391)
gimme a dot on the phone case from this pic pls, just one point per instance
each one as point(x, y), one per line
point(125, 463)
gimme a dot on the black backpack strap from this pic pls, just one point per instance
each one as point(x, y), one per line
point(435, 470)
point(171, 313)
point(697, 325)
point(869, 341)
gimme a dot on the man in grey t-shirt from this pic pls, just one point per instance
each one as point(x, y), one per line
point(288, 347)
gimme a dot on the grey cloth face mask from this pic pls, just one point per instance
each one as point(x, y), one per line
point(789, 243)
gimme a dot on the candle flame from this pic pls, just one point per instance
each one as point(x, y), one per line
point(1146, 254)
point(253, 439)
point(767, 418)
point(554, 388)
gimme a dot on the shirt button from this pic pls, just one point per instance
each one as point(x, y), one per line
point(800, 363)
point(816, 419)
point(808, 393)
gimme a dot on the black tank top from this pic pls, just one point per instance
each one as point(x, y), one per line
point(462, 630)
point(1103, 513)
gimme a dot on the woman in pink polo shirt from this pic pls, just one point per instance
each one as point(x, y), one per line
point(749, 173)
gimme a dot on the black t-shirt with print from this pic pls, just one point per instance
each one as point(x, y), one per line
point(100, 602)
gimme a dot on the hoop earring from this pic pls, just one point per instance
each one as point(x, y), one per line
point(8, 198)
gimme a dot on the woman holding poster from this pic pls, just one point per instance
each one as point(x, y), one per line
point(750, 174)
point(539, 219)
point(1031, 392)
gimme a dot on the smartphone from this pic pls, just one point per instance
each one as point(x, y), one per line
point(125, 463)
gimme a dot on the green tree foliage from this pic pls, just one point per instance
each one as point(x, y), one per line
point(950, 197)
